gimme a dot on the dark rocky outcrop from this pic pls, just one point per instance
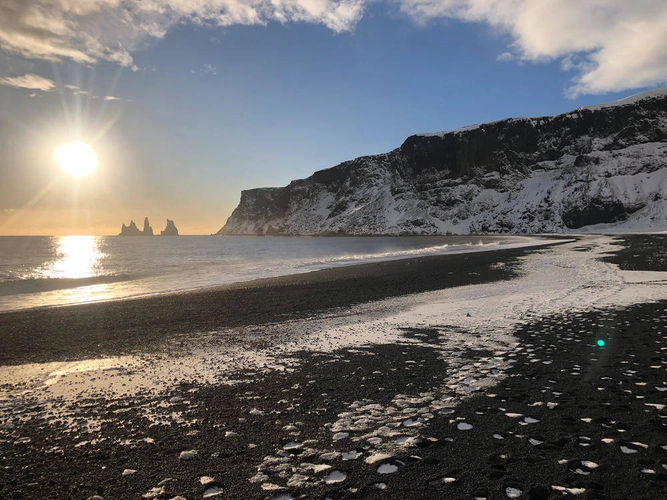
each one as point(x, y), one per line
point(133, 230)
point(597, 165)
point(148, 230)
point(170, 230)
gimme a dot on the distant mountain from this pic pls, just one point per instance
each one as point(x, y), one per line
point(599, 168)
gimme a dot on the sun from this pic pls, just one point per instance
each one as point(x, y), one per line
point(76, 159)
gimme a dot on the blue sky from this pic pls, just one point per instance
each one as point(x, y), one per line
point(188, 104)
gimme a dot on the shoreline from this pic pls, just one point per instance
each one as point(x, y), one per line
point(74, 284)
point(494, 389)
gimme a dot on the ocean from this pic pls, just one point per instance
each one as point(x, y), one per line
point(41, 271)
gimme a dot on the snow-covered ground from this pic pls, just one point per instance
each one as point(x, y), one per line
point(631, 99)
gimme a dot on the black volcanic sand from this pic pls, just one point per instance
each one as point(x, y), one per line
point(601, 393)
point(641, 252)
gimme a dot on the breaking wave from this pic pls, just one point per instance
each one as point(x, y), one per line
point(37, 285)
point(346, 260)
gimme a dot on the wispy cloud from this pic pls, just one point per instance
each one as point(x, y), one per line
point(87, 31)
point(208, 69)
point(28, 81)
point(616, 44)
point(506, 56)
point(111, 98)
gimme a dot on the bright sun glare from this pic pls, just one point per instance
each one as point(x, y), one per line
point(76, 158)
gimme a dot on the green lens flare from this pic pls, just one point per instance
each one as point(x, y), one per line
point(600, 343)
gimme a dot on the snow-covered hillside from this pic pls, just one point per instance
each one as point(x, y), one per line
point(602, 168)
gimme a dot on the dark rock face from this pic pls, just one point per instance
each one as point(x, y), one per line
point(148, 230)
point(170, 230)
point(133, 230)
point(597, 211)
point(602, 165)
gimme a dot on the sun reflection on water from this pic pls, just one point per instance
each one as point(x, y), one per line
point(77, 257)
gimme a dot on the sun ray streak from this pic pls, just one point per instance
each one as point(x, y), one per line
point(33, 201)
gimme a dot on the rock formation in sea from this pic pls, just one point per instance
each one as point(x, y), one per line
point(148, 230)
point(170, 230)
point(133, 230)
point(599, 168)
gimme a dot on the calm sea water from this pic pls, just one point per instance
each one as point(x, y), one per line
point(38, 271)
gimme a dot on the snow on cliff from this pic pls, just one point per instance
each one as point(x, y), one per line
point(601, 168)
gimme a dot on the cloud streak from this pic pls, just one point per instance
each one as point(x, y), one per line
point(28, 81)
point(609, 45)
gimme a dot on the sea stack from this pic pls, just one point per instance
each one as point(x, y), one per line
point(170, 230)
point(133, 230)
point(148, 230)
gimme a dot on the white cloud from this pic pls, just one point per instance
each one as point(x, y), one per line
point(28, 81)
point(506, 56)
point(88, 31)
point(110, 98)
point(612, 45)
point(209, 70)
point(609, 45)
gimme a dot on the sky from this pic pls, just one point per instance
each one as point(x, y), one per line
point(188, 102)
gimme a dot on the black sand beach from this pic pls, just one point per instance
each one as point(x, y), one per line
point(570, 420)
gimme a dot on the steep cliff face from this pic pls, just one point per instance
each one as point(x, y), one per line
point(597, 168)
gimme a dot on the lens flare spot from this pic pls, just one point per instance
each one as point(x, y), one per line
point(601, 343)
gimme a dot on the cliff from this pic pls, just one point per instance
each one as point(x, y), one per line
point(597, 168)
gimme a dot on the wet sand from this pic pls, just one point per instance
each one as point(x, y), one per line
point(566, 419)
